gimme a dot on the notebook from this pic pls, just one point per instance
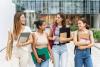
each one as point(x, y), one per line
point(24, 37)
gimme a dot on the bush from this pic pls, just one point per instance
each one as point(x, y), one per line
point(96, 34)
point(73, 27)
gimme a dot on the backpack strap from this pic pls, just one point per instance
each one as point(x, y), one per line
point(89, 38)
point(77, 40)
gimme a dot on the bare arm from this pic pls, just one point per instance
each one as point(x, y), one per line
point(9, 46)
point(88, 45)
point(29, 41)
point(91, 41)
point(63, 38)
point(50, 36)
point(34, 47)
point(49, 48)
point(39, 60)
point(75, 39)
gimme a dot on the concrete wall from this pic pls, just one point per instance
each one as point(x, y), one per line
point(97, 21)
point(7, 11)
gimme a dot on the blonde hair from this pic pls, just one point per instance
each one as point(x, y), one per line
point(17, 23)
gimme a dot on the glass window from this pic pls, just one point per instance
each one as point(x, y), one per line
point(53, 7)
point(66, 6)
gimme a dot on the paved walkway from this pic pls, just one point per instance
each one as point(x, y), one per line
point(95, 56)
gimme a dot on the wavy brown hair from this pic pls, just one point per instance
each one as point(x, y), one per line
point(63, 23)
point(17, 23)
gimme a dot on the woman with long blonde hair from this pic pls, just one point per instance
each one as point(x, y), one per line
point(17, 51)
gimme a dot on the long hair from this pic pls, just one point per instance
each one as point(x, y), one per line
point(63, 23)
point(63, 17)
point(85, 21)
point(17, 23)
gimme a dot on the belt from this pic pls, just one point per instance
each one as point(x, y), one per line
point(59, 44)
point(56, 44)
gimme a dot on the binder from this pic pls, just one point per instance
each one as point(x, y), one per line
point(24, 37)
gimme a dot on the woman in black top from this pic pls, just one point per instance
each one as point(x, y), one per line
point(60, 36)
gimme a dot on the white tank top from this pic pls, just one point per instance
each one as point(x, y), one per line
point(27, 47)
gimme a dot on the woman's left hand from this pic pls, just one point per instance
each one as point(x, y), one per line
point(52, 58)
point(19, 44)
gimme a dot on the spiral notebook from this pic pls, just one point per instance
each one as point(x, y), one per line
point(24, 37)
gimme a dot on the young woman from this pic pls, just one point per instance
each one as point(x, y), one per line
point(41, 47)
point(83, 39)
point(18, 52)
point(60, 35)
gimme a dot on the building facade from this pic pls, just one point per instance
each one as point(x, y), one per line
point(48, 8)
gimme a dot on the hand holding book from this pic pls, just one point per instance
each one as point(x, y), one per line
point(23, 38)
point(84, 42)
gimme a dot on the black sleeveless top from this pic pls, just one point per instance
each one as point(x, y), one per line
point(66, 30)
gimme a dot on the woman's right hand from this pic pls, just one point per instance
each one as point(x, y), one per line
point(39, 60)
point(52, 58)
point(19, 44)
point(54, 37)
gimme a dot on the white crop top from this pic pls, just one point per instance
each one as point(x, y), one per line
point(41, 40)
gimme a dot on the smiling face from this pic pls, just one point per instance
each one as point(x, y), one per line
point(59, 19)
point(43, 26)
point(22, 19)
point(81, 25)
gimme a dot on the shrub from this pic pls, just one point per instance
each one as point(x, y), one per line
point(96, 34)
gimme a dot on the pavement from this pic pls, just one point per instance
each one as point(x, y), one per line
point(95, 53)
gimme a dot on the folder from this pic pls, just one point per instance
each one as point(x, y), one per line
point(24, 37)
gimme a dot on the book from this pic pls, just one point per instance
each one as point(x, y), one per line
point(24, 37)
point(84, 41)
point(65, 31)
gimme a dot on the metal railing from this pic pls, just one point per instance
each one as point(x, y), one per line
point(2, 49)
point(97, 47)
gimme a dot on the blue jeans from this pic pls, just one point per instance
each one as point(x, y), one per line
point(60, 55)
point(83, 57)
point(43, 64)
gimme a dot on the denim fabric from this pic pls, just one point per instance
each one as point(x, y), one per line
point(60, 55)
point(83, 57)
point(43, 64)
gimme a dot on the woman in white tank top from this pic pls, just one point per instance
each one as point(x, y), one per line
point(18, 53)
